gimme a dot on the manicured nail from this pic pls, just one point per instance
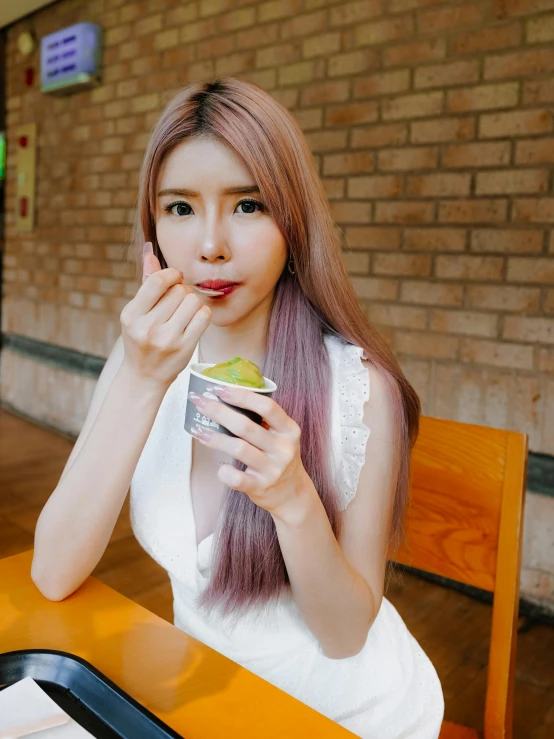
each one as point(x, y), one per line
point(222, 392)
point(201, 434)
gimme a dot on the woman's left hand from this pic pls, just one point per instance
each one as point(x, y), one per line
point(275, 478)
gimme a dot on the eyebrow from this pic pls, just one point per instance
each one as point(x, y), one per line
point(192, 194)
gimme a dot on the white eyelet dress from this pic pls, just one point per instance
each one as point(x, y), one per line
point(390, 690)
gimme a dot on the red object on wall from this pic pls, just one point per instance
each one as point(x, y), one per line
point(23, 141)
point(29, 76)
point(23, 207)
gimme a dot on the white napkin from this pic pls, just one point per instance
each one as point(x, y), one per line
point(25, 702)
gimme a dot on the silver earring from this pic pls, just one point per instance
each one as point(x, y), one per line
point(291, 267)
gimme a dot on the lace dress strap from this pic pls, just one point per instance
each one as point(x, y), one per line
point(349, 433)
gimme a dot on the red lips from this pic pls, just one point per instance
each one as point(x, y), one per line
point(215, 284)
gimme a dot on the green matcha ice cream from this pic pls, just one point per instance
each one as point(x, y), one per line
point(237, 371)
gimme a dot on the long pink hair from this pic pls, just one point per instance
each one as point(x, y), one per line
point(248, 567)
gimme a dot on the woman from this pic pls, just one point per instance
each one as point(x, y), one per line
point(276, 540)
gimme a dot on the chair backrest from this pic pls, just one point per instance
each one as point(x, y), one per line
point(465, 522)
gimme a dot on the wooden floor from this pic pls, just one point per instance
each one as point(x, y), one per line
point(453, 629)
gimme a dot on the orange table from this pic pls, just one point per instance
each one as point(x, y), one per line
point(193, 689)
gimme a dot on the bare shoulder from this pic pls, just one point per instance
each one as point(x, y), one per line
point(379, 410)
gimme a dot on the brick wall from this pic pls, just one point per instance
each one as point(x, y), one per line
point(431, 123)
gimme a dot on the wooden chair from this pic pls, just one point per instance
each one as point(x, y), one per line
point(465, 522)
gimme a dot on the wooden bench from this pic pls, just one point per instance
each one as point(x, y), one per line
point(465, 523)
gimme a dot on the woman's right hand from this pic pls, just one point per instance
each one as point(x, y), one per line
point(162, 324)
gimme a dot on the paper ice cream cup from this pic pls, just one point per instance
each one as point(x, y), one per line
point(202, 385)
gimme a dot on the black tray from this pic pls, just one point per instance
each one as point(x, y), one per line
point(83, 692)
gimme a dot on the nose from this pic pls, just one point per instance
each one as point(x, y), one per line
point(214, 238)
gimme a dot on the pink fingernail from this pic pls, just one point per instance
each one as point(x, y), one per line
point(222, 392)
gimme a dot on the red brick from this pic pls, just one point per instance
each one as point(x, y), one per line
point(309, 119)
point(375, 289)
point(447, 75)
point(400, 6)
point(549, 302)
point(377, 186)
point(530, 330)
point(327, 141)
point(504, 298)
point(421, 344)
point(193, 32)
point(414, 52)
point(386, 29)
point(408, 158)
point(265, 78)
point(321, 45)
point(505, 8)
point(349, 212)
point(431, 293)
point(483, 97)
point(480, 269)
point(371, 237)
point(473, 211)
point(363, 237)
point(545, 360)
point(401, 316)
point(180, 15)
point(325, 92)
point(166, 39)
point(508, 241)
point(486, 39)
point(352, 113)
point(348, 163)
point(334, 187)
point(404, 212)
point(352, 62)
point(356, 262)
point(416, 265)
point(441, 19)
point(271, 56)
point(490, 154)
point(535, 269)
point(215, 47)
point(515, 123)
point(538, 91)
point(144, 26)
point(502, 182)
point(390, 134)
point(519, 63)
point(354, 12)
point(257, 37)
point(497, 354)
point(299, 73)
point(382, 83)
point(303, 25)
point(535, 151)
point(464, 322)
point(113, 36)
point(442, 184)
point(413, 106)
point(240, 18)
point(442, 129)
point(533, 210)
point(434, 239)
point(269, 11)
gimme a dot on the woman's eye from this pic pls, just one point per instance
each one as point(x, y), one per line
point(179, 207)
point(184, 209)
point(251, 206)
